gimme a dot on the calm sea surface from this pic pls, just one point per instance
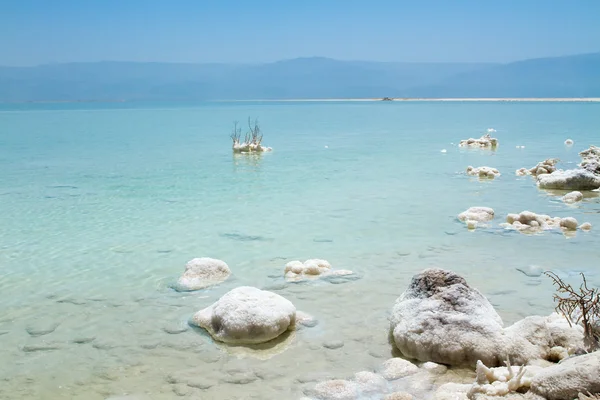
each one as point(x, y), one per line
point(101, 206)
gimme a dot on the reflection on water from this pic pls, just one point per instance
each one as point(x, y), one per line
point(243, 162)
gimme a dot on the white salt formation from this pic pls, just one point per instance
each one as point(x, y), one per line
point(247, 315)
point(440, 318)
point(572, 197)
point(530, 222)
point(486, 141)
point(501, 381)
point(252, 141)
point(202, 272)
point(483, 172)
point(568, 142)
point(313, 268)
point(590, 160)
point(544, 167)
point(475, 215)
point(573, 179)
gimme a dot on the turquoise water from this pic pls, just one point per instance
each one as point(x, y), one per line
point(103, 204)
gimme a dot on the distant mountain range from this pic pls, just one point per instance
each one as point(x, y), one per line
point(570, 76)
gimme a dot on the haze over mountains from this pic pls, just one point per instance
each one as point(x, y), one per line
point(569, 76)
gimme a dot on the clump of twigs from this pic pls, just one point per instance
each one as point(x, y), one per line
point(252, 139)
point(579, 307)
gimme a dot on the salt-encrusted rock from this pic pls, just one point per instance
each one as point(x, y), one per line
point(483, 172)
point(313, 268)
point(452, 391)
point(486, 141)
point(566, 380)
point(440, 318)
point(396, 368)
point(543, 167)
point(501, 381)
point(474, 215)
point(573, 179)
point(247, 315)
point(399, 396)
point(586, 226)
point(530, 222)
point(370, 382)
point(572, 197)
point(436, 369)
point(568, 142)
point(202, 272)
point(337, 389)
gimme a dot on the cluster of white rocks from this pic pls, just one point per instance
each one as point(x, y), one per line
point(530, 222)
point(590, 159)
point(486, 141)
point(310, 269)
point(441, 321)
point(483, 172)
point(249, 147)
point(543, 167)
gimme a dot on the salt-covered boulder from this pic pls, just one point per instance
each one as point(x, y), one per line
point(573, 179)
point(247, 315)
point(483, 172)
point(566, 380)
point(590, 160)
point(586, 226)
point(542, 168)
point(313, 268)
point(475, 216)
point(486, 141)
point(202, 272)
point(530, 222)
point(572, 197)
point(440, 318)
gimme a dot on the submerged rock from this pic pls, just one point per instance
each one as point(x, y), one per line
point(572, 197)
point(483, 172)
point(573, 179)
point(247, 315)
point(201, 273)
point(337, 389)
point(313, 268)
point(486, 141)
point(396, 368)
point(440, 318)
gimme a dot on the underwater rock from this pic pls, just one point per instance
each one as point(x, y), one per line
point(566, 380)
point(573, 179)
point(434, 368)
point(572, 197)
point(313, 268)
point(333, 344)
point(41, 327)
point(370, 382)
point(202, 272)
point(337, 389)
point(486, 141)
point(483, 172)
point(543, 167)
point(396, 368)
point(532, 271)
point(399, 396)
point(247, 315)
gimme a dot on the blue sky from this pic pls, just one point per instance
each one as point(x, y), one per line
point(49, 31)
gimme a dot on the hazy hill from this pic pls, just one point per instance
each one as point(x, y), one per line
point(572, 76)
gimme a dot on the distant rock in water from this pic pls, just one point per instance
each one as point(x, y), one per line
point(486, 141)
point(543, 167)
point(313, 268)
point(483, 172)
point(201, 273)
point(572, 197)
point(244, 238)
point(247, 315)
point(530, 222)
point(590, 160)
point(568, 142)
point(476, 215)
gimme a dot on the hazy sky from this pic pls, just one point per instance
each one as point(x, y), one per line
point(47, 31)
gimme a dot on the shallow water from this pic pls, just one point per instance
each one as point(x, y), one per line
point(103, 204)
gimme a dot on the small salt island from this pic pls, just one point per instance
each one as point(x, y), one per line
point(252, 140)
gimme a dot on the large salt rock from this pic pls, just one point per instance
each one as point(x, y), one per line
point(573, 179)
point(440, 318)
point(313, 268)
point(572, 197)
point(566, 380)
point(530, 222)
point(247, 315)
point(202, 272)
point(486, 141)
point(483, 172)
